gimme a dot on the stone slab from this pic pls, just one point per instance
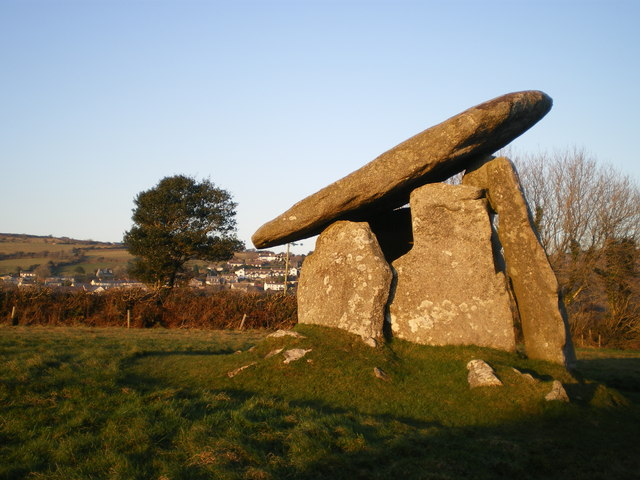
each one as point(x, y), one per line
point(448, 291)
point(544, 321)
point(345, 282)
point(430, 156)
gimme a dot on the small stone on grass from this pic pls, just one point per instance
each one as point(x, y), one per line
point(273, 352)
point(381, 374)
point(235, 372)
point(295, 354)
point(285, 333)
point(481, 375)
point(527, 376)
point(557, 393)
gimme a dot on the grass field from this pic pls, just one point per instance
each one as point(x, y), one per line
point(36, 244)
point(158, 404)
point(97, 254)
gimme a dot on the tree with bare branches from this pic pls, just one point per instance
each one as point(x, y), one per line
point(588, 219)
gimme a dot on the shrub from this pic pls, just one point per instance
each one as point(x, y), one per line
point(179, 308)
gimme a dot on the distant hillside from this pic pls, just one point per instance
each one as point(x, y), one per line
point(48, 239)
point(66, 256)
point(63, 255)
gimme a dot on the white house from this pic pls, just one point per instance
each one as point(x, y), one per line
point(273, 286)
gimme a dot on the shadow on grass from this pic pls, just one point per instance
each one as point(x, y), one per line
point(312, 440)
point(623, 374)
point(144, 382)
point(561, 447)
point(132, 359)
point(275, 437)
point(183, 353)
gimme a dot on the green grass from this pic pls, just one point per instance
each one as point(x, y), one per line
point(35, 245)
point(91, 266)
point(10, 265)
point(98, 255)
point(94, 259)
point(158, 404)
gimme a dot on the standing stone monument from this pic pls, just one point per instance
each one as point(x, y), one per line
point(346, 281)
point(544, 320)
point(449, 285)
point(430, 156)
point(448, 290)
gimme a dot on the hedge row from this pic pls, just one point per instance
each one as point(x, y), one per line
point(179, 308)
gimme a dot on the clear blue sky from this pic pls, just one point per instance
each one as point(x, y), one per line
point(273, 100)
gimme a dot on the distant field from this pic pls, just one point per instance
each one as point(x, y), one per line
point(61, 250)
point(92, 265)
point(98, 254)
point(25, 246)
point(10, 266)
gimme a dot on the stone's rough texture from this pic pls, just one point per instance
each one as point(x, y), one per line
point(235, 372)
point(345, 283)
point(371, 342)
point(544, 321)
point(273, 353)
point(448, 291)
point(381, 374)
point(481, 375)
point(526, 376)
point(433, 155)
point(557, 393)
point(295, 354)
point(285, 333)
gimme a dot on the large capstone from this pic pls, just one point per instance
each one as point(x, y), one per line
point(431, 156)
point(544, 321)
point(345, 283)
point(448, 290)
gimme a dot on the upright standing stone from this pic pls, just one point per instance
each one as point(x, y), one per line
point(345, 283)
point(430, 156)
point(544, 321)
point(448, 291)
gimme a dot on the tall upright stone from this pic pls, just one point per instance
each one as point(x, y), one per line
point(544, 321)
point(448, 291)
point(430, 156)
point(345, 283)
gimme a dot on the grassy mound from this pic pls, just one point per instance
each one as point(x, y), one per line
point(98, 403)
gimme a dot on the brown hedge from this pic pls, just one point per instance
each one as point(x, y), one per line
point(179, 308)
